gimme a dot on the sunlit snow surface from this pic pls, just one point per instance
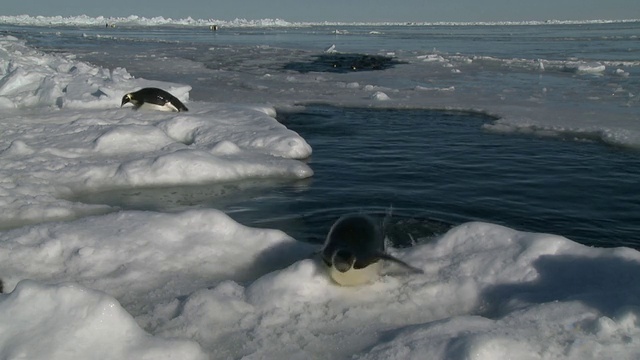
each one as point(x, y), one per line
point(196, 284)
point(63, 133)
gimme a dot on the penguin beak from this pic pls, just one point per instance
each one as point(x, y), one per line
point(125, 99)
point(343, 260)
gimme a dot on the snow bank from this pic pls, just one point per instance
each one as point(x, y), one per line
point(71, 322)
point(64, 133)
point(618, 131)
point(142, 258)
point(585, 67)
point(29, 78)
point(135, 20)
point(488, 292)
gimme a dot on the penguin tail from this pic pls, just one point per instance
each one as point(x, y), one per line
point(403, 264)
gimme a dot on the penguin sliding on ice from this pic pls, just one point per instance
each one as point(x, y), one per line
point(153, 99)
point(354, 249)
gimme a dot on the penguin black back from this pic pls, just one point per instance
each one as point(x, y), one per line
point(154, 97)
point(356, 236)
point(356, 242)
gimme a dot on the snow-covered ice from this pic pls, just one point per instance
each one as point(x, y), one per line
point(72, 322)
point(64, 134)
point(488, 292)
point(196, 284)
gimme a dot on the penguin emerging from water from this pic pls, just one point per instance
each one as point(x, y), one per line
point(153, 99)
point(354, 249)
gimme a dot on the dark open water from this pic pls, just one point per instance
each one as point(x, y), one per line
point(432, 166)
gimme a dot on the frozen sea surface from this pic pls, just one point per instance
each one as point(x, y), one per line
point(539, 133)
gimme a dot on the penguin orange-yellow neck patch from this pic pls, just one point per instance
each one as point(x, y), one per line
point(354, 277)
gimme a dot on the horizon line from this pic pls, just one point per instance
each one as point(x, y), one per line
point(137, 20)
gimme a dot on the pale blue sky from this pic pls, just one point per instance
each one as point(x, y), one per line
point(338, 10)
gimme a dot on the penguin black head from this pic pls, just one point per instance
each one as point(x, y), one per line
point(343, 260)
point(127, 99)
point(154, 99)
point(357, 235)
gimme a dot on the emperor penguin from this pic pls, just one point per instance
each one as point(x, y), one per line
point(353, 251)
point(153, 99)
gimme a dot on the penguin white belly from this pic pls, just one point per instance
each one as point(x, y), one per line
point(354, 277)
point(150, 106)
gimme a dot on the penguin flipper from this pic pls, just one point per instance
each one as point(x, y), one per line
point(177, 103)
point(413, 269)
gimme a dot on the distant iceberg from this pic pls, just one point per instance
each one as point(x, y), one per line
point(135, 20)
